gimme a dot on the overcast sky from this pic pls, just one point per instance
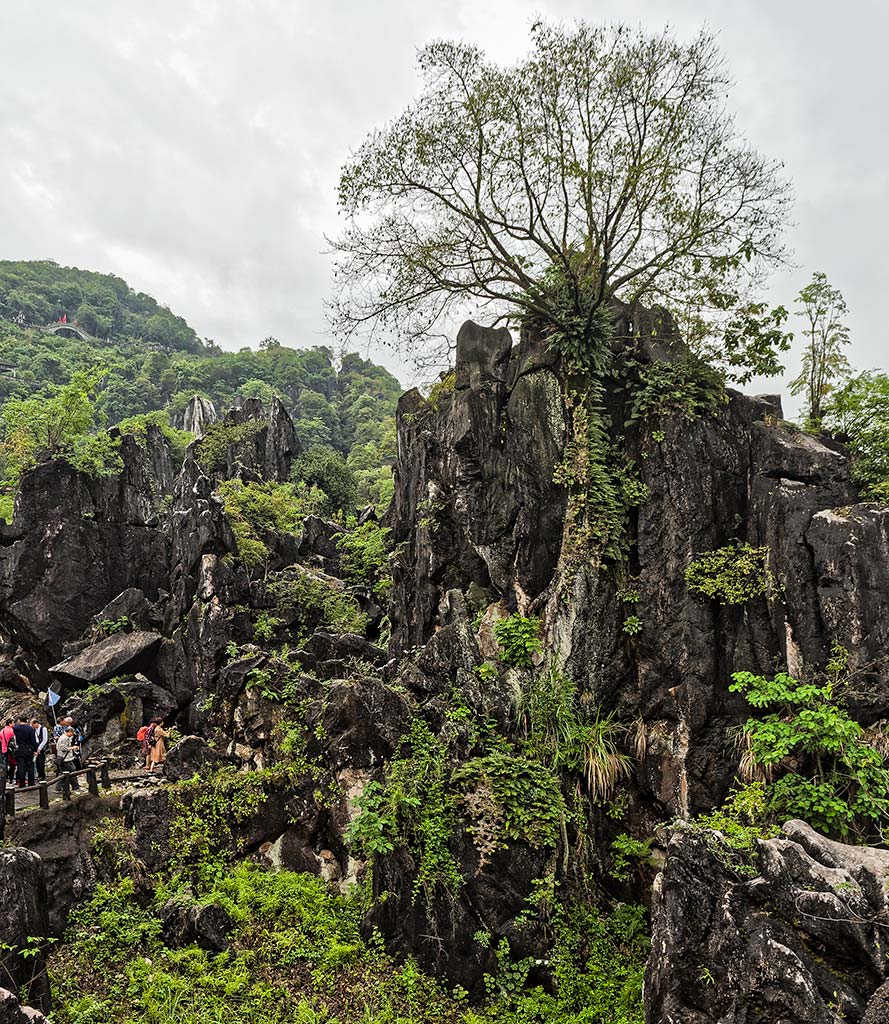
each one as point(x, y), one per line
point(192, 146)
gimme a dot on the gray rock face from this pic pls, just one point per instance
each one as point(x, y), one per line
point(801, 943)
point(198, 415)
point(476, 511)
point(24, 921)
point(76, 543)
point(12, 1011)
point(475, 503)
point(108, 657)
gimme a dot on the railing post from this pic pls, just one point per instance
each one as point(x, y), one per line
point(10, 802)
point(66, 786)
point(92, 781)
point(43, 794)
point(106, 778)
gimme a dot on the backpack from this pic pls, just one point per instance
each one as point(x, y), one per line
point(142, 733)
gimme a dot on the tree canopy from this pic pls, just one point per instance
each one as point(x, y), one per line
point(605, 163)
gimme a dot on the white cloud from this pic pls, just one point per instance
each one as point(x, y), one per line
point(192, 147)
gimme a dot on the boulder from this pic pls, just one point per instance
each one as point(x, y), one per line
point(24, 923)
point(207, 925)
point(108, 657)
point(191, 756)
point(12, 1011)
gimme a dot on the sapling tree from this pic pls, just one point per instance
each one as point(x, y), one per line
point(822, 308)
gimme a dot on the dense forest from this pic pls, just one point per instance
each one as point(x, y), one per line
point(152, 362)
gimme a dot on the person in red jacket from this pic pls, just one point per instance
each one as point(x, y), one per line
point(7, 734)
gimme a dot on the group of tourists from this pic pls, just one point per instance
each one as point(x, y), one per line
point(24, 744)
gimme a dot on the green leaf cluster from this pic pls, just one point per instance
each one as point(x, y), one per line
point(828, 774)
point(518, 640)
point(734, 574)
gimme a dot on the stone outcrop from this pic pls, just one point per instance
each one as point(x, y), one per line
point(24, 925)
point(802, 942)
point(476, 511)
point(108, 657)
point(198, 415)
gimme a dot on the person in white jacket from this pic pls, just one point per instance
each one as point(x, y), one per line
point(66, 755)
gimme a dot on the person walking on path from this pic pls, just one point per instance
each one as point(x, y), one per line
point(66, 755)
point(158, 744)
point(25, 749)
point(42, 734)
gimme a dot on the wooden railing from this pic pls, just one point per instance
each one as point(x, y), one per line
point(96, 775)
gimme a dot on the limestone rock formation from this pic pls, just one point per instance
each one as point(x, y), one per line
point(803, 942)
point(198, 415)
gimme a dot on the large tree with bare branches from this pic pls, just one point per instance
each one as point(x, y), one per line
point(605, 163)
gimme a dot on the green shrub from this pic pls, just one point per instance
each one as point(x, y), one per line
point(256, 508)
point(518, 638)
point(327, 469)
point(624, 850)
point(364, 557)
point(632, 625)
point(565, 736)
point(731, 575)
point(840, 785)
point(317, 601)
point(221, 439)
point(690, 387)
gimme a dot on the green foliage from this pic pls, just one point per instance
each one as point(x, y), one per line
point(742, 821)
point(518, 640)
point(838, 783)
point(56, 422)
point(39, 292)
point(264, 625)
point(752, 340)
point(221, 440)
point(296, 956)
point(414, 806)
point(602, 163)
point(108, 627)
point(689, 387)
point(97, 455)
point(731, 575)
point(590, 470)
point(364, 557)
point(442, 388)
point(632, 625)
point(322, 467)
point(255, 508)
point(625, 849)
point(138, 426)
point(527, 802)
point(858, 412)
point(487, 672)
point(563, 735)
point(317, 600)
point(822, 308)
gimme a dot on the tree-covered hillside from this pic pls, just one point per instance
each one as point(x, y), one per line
point(346, 405)
point(38, 292)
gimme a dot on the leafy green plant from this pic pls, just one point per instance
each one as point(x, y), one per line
point(632, 625)
point(317, 600)
point(364, 558)
point(486, 672)
point(254, 509)
point(731, 575)
point(562, 735)
point(690, 387)
point(265, 625)
point(625, 849)
point(839, 783)
point(518, 638)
